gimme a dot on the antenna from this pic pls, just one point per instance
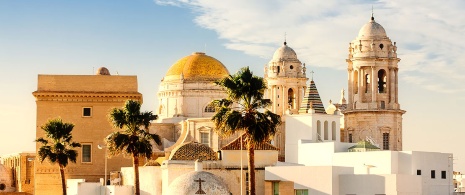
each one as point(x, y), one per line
point(285, 41)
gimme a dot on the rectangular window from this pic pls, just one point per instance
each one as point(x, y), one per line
point(86, 153)
point(247, 192)
point(301, 192)
point(205, 138)
point(433, 174)
point(418, 172)
point(276, 188)
point(87, 112)
point(443, 175)
point(385, 141)
point(350, 138)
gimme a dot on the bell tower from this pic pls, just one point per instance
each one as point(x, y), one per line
point(286, 79)
point(373, 110)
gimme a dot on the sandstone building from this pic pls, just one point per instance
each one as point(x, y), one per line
point(373, 110)
point(85, 101)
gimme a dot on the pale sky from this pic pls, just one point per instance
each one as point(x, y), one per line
point(145, 37)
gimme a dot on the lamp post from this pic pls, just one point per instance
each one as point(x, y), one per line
point(101, 147)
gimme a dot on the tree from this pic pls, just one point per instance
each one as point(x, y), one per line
point(132, 140)
point(61, 148)
point(244, 109)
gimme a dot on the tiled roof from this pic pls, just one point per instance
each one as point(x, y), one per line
point(236, 145)
point(312, 100)
point(193, 151)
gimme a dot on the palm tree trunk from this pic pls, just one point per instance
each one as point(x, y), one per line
point(63, 182)
point(251, 153)
point(135, 164)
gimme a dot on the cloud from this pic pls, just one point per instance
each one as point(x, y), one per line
point(429, 35)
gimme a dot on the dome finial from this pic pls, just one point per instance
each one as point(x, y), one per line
point(285, 43)
point(372, 17)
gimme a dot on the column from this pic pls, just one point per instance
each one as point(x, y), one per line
point(284, 101)
point(350, 87)
point(392, 85)
point(397, 85)
point(374, 84)
point(360, 83)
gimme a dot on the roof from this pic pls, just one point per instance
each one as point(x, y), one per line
point(193, 151)
point(312, 100)
point(364, 144)
point(196, 67)
point(236, 145)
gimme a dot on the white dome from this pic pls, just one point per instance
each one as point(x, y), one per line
point(372, 30)
point(189, 184)
point(284, 52)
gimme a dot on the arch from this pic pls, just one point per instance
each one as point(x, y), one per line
point(382, 80)
point(209, 108)
point(333, 130)
point(326, 130)
point(318, 130)
point(291, 98)
point(355, 82)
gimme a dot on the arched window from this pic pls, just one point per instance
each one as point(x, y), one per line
point(318, 130)
point(333, 131)
point(367, 82)
point(291, 98)
point(382, 79)
point(210, 108)
point(326, 130)
point(355, 82)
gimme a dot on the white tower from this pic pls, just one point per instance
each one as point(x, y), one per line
point(373, 111)
point(286, 80)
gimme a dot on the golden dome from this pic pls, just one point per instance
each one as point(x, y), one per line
point(195, 67)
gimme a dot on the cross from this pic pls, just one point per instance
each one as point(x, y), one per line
point(200, 191)
point(311, 72)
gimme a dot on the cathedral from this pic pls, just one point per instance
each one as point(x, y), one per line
point(371, 113)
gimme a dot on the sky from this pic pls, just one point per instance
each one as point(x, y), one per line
point(145, 37)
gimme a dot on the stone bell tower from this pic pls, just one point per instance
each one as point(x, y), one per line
point(373, 111)
point(286, 80)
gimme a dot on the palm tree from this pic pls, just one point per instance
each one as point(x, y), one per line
point(245, 110)
point(132, 140)
point(61, 148)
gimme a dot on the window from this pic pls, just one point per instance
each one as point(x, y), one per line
point(318, 130)
point(301, 192)
point(382, 78)
point(418, 172)
point(350, 138)
point(385, 141)
point(433, 174)
point(326, 130)
point(383, 105)
point(276, 188)
point(87, 112)
point(205, 138)
point(443, 175)
point(210, 108)
point(86, 153)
